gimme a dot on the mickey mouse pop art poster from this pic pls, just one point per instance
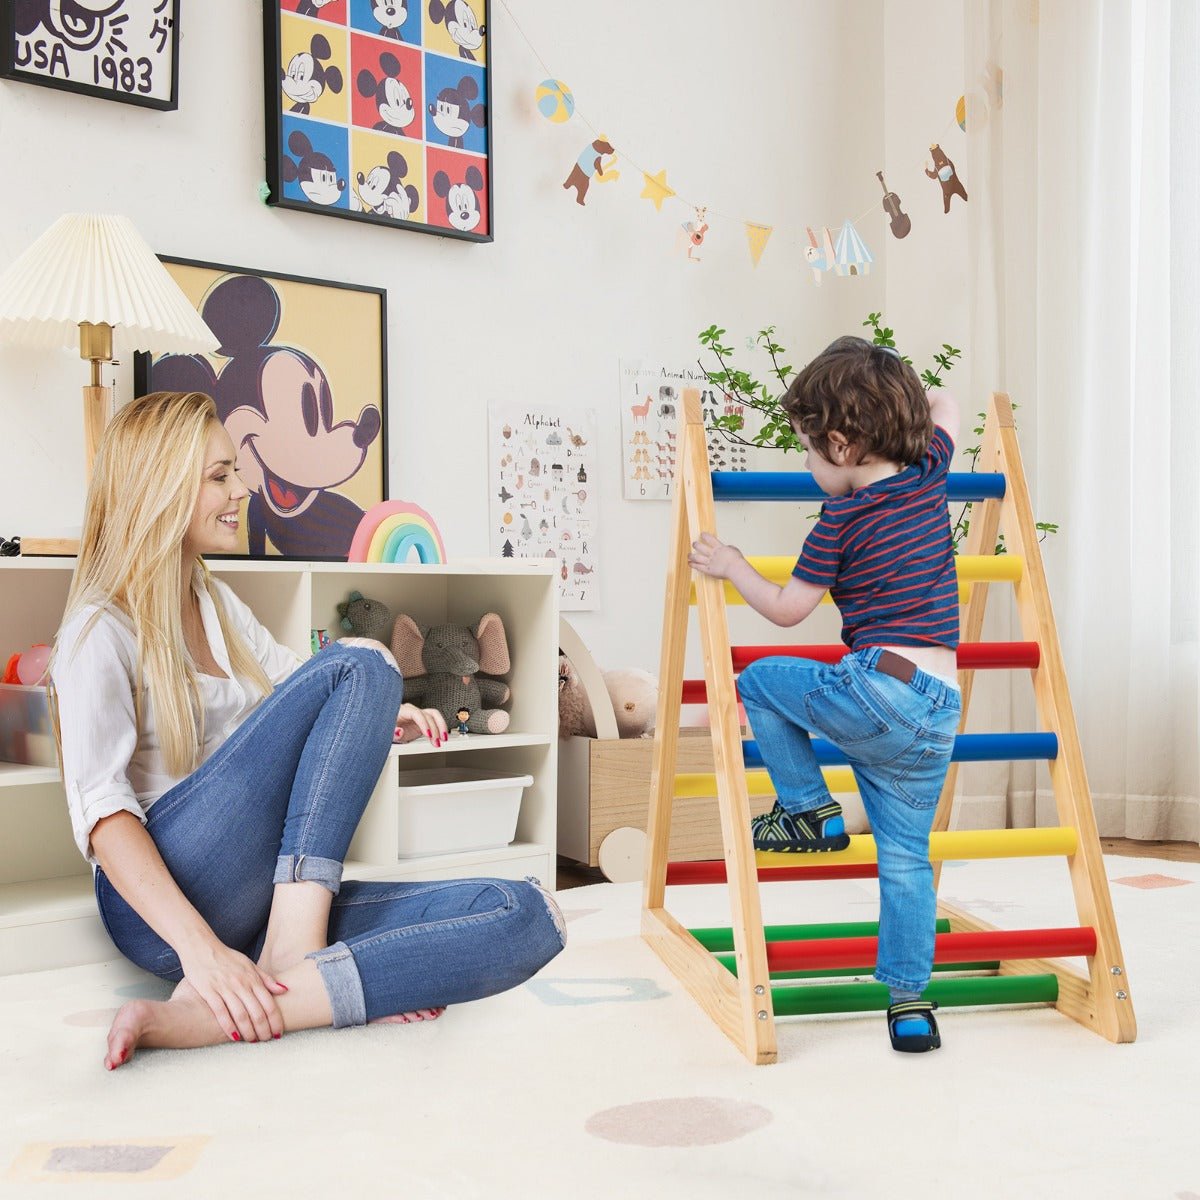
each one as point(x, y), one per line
point(381, 112)
point(300, 384)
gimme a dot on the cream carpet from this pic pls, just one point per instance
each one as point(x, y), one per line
point(602, 1079)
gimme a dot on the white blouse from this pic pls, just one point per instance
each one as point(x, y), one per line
point(108, 765)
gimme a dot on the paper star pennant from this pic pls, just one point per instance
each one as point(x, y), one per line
point(656, 189)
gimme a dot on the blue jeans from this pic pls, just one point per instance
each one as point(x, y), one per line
point(278, 802)
point(897, 737)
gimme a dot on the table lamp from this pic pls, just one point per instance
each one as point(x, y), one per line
point(92, 281)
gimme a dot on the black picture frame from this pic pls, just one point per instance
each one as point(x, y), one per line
point(310, 369)
point(36, 44)
point(324, 155)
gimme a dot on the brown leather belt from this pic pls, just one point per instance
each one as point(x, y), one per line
point(896, 665)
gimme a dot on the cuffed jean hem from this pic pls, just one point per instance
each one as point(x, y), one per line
point(304, 868)
point(901, 985)
point(343, 984)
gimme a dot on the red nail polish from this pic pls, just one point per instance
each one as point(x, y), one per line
point(278, 1036)
point(237, 1037)
point(124, 1055)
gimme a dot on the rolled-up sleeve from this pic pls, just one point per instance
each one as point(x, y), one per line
point(93, 681)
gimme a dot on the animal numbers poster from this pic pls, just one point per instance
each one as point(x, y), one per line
point(651, 403)
point(543, 493)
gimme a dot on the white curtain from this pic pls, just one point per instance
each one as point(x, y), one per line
point(1085, 276)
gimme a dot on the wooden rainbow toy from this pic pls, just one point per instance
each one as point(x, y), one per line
point(391, 531)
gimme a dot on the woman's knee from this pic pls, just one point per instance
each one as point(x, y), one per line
point(546, 927)
point(375, 662)
point(366, 650)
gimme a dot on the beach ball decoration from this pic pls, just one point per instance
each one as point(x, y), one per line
point(554, 100)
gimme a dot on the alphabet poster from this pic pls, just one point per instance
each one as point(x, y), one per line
point(542, 472)
point(651, 403)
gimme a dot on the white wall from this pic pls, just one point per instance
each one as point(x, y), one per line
point(775, 111)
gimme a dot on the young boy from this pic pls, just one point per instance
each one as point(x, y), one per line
point(880, 449)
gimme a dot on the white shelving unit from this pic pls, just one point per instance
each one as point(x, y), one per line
point(48, 914)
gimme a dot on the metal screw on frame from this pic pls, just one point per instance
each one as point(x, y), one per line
point(1122, 995)
point(762, 1016)
point(759, 990)
point(1116, 970)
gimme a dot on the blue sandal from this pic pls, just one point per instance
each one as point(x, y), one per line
point(801, 833)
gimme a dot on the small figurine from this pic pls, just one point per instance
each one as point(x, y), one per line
point(463, 715)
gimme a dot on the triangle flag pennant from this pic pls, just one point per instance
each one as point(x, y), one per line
point(757, 235)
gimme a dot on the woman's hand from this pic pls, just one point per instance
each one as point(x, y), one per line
point(710, 556)
point(240, 994)
point(413, 722)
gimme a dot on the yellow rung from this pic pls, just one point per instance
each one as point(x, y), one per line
point(758, 783)
point(959, 843)
point(971, 568)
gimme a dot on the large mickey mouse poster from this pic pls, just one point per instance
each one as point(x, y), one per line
point(300, 383)
point(380, 111)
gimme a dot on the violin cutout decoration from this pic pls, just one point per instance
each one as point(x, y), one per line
point(899, 220)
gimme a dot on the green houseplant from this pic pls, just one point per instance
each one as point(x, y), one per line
point(775, 431)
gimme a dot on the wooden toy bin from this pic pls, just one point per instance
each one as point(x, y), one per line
point(604, 782)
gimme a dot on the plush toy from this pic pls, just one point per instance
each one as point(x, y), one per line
point(366, 618)
point(634, 695)
point(445, 667)
point(575, 717)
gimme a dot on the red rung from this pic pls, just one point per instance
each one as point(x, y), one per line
point(714, 872)
point(972, 656)
point(985, 946)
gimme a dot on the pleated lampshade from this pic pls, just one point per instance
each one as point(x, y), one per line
point(99, 269)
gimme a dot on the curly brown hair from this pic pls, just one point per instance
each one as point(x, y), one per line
point(869, 395)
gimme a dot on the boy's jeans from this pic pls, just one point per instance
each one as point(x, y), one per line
point(279, 801)
point(897, 737)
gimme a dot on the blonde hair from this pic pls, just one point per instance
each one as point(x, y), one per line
point(145, 482)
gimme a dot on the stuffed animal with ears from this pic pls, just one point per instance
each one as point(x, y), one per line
point(365, 618)
point(575, 718)
point(447, 667)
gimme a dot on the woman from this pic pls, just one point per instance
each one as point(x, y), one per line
point(214, 781)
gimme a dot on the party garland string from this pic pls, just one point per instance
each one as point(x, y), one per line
point(850, 255)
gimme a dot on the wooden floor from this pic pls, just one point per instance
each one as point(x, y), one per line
point(572, 875)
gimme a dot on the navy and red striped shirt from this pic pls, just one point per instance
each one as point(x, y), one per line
point(885, 553)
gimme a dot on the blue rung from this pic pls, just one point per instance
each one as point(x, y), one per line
point(799, 485)
point(968, 747)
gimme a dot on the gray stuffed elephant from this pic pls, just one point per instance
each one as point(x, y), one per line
point(445, 667)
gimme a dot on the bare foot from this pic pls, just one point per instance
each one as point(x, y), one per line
point(183, 1022)
point(420, 1014)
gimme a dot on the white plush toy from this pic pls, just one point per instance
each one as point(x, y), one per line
point(634, 696)
point(633, 693)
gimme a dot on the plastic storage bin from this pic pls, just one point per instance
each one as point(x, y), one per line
point(447, 810)
point(26, 732)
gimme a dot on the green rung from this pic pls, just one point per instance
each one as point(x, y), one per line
point(721, 938)
point(949, 993)
point(730, 964)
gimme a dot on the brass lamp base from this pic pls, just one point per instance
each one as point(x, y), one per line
point(95, 344)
